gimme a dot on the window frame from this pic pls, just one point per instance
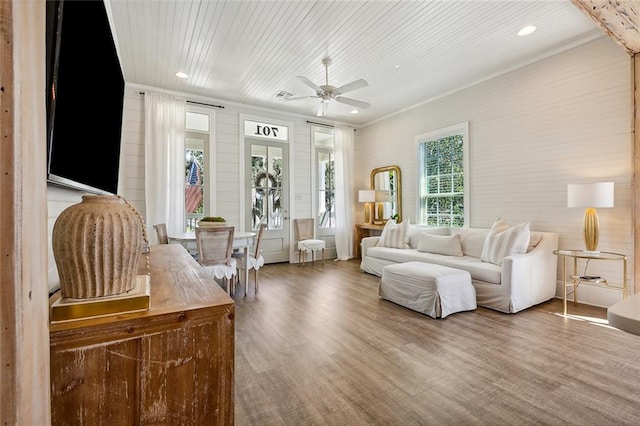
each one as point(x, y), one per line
point(324, 147)
point(209, 169)
point(456, 129)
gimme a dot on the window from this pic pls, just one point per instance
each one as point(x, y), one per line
point(442, 176)
point(326, 188)
point(196, 168)
point(325, 180)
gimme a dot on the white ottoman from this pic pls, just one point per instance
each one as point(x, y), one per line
point(433, 290)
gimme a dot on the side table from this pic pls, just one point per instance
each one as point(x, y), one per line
point(364, 230)
point(575, 279)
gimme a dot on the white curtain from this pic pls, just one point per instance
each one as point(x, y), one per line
point(164, 161)
point(344, 157)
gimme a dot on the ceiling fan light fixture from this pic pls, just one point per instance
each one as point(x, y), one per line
point(322, 109)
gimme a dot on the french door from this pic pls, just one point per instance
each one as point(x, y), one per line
point(267, 195)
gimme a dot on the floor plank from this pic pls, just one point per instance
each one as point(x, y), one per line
point(317, 346)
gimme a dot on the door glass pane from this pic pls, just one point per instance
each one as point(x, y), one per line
point(259, 186)
point(275, 189)
point(266, 186)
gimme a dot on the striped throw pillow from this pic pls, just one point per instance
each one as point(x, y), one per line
point(502, 242)
point(395, 235)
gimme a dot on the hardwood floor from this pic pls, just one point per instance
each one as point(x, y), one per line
point(317, 346)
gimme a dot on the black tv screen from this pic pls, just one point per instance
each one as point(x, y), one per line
point(85, 94)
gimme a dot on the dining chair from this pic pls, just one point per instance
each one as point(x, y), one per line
point(255, 260)
point(161, 232)
point(305, 237)
point(215, 246)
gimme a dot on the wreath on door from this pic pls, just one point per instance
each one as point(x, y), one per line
point(266, 180)
point(261, 183)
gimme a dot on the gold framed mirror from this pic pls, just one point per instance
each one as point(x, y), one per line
point(387, 182)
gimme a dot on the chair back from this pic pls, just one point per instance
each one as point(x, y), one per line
point(304, 229)
point(161, 232)
point(258, 246)
point(215, 245)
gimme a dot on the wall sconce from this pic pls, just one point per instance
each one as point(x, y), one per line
point(367, 196)
point(590, 196)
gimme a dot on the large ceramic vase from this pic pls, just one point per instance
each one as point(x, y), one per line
point(97, 245)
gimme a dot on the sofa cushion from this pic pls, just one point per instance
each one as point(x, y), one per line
point(449, 244)
point(416, 231)
point(479, 270)
point(395, 235)
point(501, 242)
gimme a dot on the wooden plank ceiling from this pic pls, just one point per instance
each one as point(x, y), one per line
point(246, 51)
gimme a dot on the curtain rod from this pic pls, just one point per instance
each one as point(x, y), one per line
point(323, 124)
point(199, 103)
point(320, 124)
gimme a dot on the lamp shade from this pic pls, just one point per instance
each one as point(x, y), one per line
point(366, 196)
point(596, 195)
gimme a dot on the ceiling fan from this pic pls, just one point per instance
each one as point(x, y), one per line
point(326, 93)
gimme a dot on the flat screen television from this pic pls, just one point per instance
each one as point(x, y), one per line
point(85, 94)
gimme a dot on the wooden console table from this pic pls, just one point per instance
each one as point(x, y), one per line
point(171, 364)
point(364, 230)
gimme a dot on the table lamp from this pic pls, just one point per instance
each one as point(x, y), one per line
point(367, 196)
point(590, 196)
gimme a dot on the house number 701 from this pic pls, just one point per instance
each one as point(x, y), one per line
point(267, 131)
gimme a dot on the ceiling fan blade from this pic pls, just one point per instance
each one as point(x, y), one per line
point(352, 102)
point(297, 98)
point(358, 84)
point(309, 83)
point(322, 109)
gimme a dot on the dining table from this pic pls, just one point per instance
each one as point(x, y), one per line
point(242, 240)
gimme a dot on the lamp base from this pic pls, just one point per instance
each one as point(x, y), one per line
point(367, 213)
point(591, 251)
point(591, 229)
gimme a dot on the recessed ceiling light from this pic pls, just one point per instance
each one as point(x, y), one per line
point(181, 74)
point(529, 29)
point(354, 111)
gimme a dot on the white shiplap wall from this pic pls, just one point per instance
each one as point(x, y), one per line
point(228, 179)
point(532, 131)
point(565, 119)
point(228, 149)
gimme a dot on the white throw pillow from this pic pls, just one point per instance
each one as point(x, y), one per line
point(395, 235)
point(440, 244)
point(415, 233)
point(504, 242)
point(472, 242)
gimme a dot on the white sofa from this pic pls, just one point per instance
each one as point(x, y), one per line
point(523, 280)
